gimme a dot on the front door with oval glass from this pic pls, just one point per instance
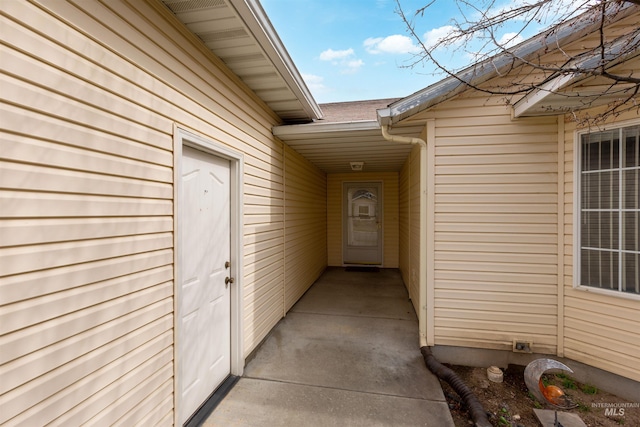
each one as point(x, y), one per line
point(362, 223)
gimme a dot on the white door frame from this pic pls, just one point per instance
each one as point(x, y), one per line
point(182, 137)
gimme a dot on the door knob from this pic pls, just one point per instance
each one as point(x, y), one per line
point(227, 280)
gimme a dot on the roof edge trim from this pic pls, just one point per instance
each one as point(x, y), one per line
point(259, 24)
point(482, 71)
point(614, 56)
point(531, 99)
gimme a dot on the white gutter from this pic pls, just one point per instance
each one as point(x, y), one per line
point(422, 281)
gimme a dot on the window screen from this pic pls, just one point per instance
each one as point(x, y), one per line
point(610, 210)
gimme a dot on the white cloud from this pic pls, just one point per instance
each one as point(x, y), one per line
point(370, 44)
point(510, 39)
point(345, 59)
point(352, 67)
point(395, 44)
point(332, 55)
point(434, 36)
point(314, 83)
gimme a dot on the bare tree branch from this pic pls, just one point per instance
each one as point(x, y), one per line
point(533, 65)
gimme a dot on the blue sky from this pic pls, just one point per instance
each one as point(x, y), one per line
point(350, 50)
point(326, 40)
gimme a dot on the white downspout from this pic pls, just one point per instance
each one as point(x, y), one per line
point(422, 281)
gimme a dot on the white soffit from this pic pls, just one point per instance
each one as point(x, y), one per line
point(333, 146)
point(241, 35)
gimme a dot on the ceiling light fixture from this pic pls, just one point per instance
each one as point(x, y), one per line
point(357, 166)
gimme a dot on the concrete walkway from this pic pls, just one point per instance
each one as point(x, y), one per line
point(347, 354)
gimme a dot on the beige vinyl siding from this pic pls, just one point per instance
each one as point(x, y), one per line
point(88, 107)
point(334, 221)
point(305, 225)
point(391, 208)
point(390, 212)
point(264, 247)
point(502, 269)
point(414, 229)
point(495, 227)
point(599, 330)
point(404, 234)
point(409, 226)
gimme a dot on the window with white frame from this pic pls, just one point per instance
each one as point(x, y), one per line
point(609, 232)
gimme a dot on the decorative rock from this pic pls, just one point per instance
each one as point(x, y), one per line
point(494, 374)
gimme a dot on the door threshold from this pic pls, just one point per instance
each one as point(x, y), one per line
point(212, 402)
point(363, 268)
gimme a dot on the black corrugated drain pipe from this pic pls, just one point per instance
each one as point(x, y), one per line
point(478, 414)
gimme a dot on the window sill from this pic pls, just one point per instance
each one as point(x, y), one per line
point(614, 294)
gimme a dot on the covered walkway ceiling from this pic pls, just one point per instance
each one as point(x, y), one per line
point(349, 133)
point(333, 135)
point(332, 147)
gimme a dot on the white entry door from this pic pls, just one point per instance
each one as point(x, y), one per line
point(362, 223)
point(204, 298)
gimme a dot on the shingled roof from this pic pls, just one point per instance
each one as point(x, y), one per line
point(355, 111)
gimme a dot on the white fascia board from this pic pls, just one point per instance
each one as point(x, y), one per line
point(533, 99)
point(423, 99)
point(258, 23)
point(315, 128)
point(614, 54)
